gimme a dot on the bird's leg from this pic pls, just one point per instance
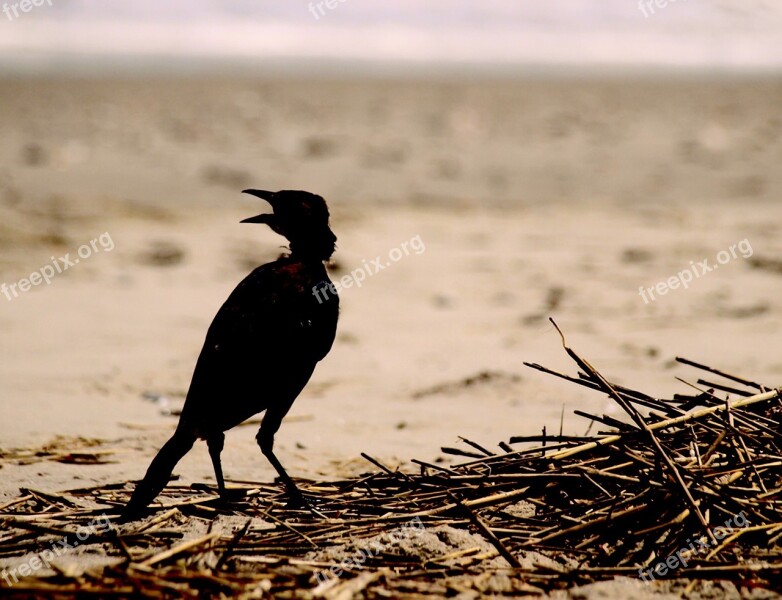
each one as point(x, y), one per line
point(269, 426)
point(158, 473)
point(215, 444)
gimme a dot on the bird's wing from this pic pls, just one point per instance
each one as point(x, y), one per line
point(259, 318)
point(268, 329)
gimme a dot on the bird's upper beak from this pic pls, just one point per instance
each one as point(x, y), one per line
point(262, 218)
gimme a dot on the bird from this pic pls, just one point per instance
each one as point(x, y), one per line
point(261, 348)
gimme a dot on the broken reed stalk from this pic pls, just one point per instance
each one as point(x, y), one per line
point(178, 549)
point(703, 367)
point(612, 439)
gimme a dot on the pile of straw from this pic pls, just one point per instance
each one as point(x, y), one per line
point(686, 488)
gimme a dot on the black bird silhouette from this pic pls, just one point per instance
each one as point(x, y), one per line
point(261, 348)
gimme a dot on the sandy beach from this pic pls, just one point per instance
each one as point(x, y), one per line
point(527, 200)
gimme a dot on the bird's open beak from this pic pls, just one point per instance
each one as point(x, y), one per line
point(264, 218)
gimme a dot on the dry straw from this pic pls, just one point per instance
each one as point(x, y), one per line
point(601, 505)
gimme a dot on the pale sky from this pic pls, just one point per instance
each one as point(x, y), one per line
point(721, 34)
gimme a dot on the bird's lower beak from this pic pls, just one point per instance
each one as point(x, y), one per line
point(268, 219)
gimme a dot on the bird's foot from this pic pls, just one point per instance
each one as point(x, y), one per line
point(233, 495)
point(298, 501)
point(226, 495)
point(133, 512)
point(138, 505)
point(128, 516)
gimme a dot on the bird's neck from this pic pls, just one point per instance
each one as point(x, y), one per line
point(312, 252)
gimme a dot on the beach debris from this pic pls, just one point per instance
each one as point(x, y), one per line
point(481, 378)
point(162, 254)
point(63, 449)
point(684, 489)
point(163, 403)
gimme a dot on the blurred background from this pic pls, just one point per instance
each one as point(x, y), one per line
point(553, 157)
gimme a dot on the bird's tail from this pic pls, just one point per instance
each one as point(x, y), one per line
point(158, 473)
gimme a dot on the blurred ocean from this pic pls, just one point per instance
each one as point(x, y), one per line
point(721, 35)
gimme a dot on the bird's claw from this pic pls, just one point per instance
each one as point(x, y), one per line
point(297, 501)
point(225, 495)
point(233, 495)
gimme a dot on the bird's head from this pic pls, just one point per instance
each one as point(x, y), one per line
point(301, 217)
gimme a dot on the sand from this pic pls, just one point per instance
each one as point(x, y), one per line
point(527, 200)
